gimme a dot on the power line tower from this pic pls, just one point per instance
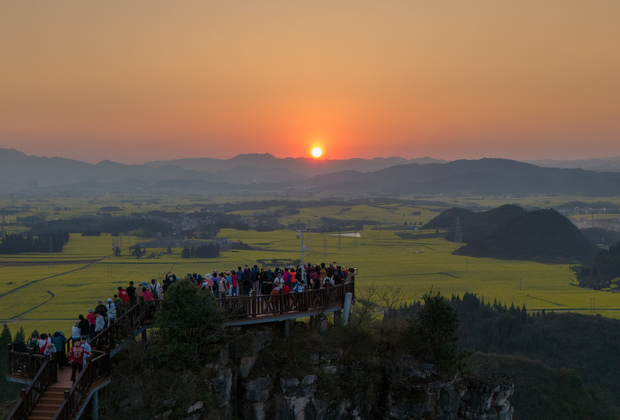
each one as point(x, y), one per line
point(458, 233)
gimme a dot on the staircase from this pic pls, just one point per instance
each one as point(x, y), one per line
point(53, 396)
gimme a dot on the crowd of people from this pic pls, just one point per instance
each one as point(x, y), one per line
point(244, 281)
point(220, 283)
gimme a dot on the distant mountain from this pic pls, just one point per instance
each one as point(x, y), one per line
point(298, 167)
point(256, 173)
point(477, 177)
point(611, 164)
point(509, 232)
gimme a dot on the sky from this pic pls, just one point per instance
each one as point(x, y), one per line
point(137, 81)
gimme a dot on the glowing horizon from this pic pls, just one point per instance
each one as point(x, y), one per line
point(116, 81)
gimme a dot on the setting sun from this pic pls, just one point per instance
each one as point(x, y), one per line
point(317, 152)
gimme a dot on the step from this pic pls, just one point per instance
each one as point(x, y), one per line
point(47, 401)
point(48, 398)
point(47, 406)
point(41, 415)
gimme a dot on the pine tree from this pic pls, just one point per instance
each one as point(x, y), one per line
point(20, 335)
point(5, 336)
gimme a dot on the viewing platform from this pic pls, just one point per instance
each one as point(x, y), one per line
point(51, 395)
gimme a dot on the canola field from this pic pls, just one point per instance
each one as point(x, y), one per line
point(48, 291)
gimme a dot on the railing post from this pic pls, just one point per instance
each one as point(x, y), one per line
point(253, 304)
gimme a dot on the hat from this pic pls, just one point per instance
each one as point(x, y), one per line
point(109, 300)
point(90, 310)
point(99, 301)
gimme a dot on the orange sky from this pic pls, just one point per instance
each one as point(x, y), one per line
point(134, 81)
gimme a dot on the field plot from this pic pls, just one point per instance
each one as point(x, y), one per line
point(47, 291)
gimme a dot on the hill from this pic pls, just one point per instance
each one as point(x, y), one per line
point(509, 232)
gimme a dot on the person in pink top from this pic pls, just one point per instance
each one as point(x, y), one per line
point(147, 295)
point(233, 281)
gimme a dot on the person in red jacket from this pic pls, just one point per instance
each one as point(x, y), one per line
point(122, 293)
point(76, 355)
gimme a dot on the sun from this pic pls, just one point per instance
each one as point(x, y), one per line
point(317, 152)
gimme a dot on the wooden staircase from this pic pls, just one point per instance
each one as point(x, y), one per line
point(52, 398)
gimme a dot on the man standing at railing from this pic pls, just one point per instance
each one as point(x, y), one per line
point(131, 292)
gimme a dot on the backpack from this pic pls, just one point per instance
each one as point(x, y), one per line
point(153, 288)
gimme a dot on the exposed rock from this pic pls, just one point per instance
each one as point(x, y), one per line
point(246, 364)
point(197, 406)
point(414, 390)
point(258, 390)
point(314, 358)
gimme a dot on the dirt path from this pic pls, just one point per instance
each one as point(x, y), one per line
point(35, 307)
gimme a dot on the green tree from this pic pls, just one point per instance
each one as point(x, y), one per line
point(189, 326)
point(21, 335)
point(5, 336)
point(137, 251)
point(433, 332)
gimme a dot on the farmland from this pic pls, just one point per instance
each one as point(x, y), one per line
point(47, 291)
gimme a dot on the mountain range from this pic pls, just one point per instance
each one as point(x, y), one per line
point(256, 173)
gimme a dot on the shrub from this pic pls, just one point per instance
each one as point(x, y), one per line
point(189, 326)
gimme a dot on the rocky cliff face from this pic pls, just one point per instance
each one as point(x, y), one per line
point(243, 389)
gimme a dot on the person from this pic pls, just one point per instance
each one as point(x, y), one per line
point(33, 342)
point(277, 288)
point(59, 343)
point(131, 292)
point(298, 287)
point(233, 281)
point(99, 323)
point(247, 280)
point(44, 340)
point(118, 304)
point(76, 331)
point(88, 351)
point(350, 278)
point(122, 293)
point(255, 279)
point(84, 326)
point(50, 350)
point(101, 309)
point(111, 307)
point(76, 355)
point(92, 318)
point(156, 289)
point(147, 296)
point(223, 286)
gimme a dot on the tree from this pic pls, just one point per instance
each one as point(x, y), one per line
point(189, 326)
point(433, 332)
point(5, 336)
point(20, 335)
point(137, 251)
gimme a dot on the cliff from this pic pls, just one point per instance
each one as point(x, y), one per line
point(256, 376)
